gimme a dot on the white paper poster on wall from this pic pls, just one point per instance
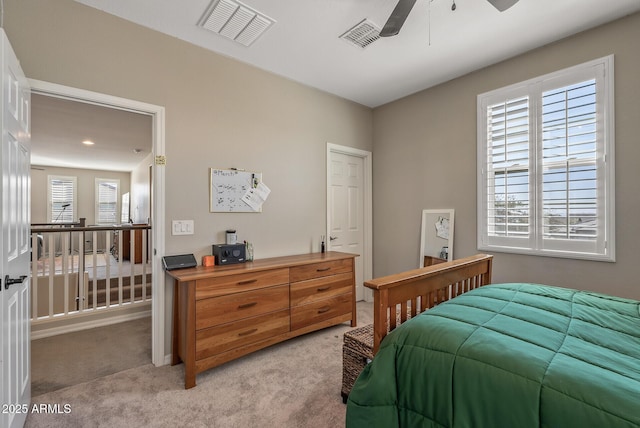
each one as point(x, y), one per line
point(256, 196)
point(228, 188)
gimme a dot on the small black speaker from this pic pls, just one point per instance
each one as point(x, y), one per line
point(179, 262)
point(227, 254)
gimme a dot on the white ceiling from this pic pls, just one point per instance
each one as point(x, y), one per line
point(436, 44)
point(58, 127)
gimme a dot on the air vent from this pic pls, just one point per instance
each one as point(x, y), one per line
point(362, 34)
point(235, 21)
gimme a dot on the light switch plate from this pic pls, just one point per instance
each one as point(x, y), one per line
point(182, 227)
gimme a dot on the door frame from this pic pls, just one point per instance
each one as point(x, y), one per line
point(157, 199)
point(367, 257)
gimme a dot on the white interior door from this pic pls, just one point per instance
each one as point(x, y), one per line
point(15, 382)
point(346, 210)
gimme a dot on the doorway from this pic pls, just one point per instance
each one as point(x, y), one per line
point(349, 209)
point(156, 197)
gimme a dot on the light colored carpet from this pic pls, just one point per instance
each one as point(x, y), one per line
point(72, 358)
point(292, 384)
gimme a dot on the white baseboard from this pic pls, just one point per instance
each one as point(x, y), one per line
point(85, 325)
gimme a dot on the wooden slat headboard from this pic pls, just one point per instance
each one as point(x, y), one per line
point(406, 294)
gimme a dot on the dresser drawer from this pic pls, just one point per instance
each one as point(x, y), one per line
point(317, 270)
point(221, 285)
point(215, 340)
point(309, 291)
point(302, 316)
point(233, 307)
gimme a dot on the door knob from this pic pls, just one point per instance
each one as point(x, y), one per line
point(333, 238)
point(8, 281)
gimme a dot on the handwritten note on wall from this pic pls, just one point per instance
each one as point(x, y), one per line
point(228, 187)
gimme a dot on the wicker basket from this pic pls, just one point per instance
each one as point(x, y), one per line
point(357, 352)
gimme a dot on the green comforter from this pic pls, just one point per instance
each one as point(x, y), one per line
point(507, 355)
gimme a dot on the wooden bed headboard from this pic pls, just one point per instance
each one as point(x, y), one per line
point(406, 294)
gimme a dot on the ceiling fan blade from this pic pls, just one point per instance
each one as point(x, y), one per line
point(397, 18)
point(502, 5)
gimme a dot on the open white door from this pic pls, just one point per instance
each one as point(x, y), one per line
point(15, 357)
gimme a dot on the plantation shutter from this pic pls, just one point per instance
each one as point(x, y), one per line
point(569, 152)
point(107, 199)
point(62, 192)
point(545, 159)
point(508, 168)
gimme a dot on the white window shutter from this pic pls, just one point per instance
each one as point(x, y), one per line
point(546, 174)
point(508, 168)
point(106, 201)
point(62, 199)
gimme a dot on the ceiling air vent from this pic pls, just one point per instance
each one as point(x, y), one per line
point(362, 34)
point(235, 21)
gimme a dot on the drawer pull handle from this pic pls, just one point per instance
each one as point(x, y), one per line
point(248, 332)
point(247, 305)
point(323, 269)
point(249, 281)
point(324, 288)
point(323, 310)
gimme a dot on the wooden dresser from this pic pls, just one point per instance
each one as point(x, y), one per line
point(224, 312)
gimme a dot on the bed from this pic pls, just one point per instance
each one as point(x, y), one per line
point(502, 355)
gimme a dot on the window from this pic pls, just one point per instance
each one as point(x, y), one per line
point(124, 214)
point(107, 201)
point(546, 165)
point(61, 197)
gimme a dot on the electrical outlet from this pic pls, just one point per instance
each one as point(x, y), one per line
point(182, 227)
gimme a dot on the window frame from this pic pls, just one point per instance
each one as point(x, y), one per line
point(125, 209)
point(599, 249)
point(116, 210)
point(74, 202)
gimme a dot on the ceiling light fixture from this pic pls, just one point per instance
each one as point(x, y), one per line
point(88, 143)
point(137, 151)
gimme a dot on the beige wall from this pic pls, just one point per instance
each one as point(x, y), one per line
point(219, 113)
point(86, 182)
point(425, 145)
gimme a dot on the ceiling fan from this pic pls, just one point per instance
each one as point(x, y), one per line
point(402, 9)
